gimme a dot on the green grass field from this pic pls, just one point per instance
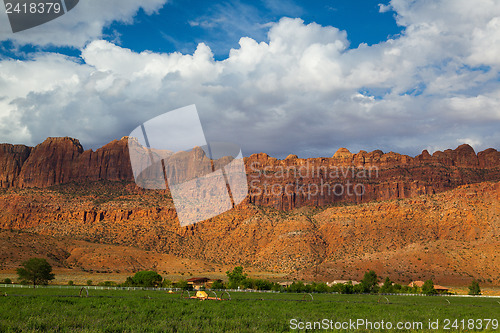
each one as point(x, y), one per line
point(62, 310)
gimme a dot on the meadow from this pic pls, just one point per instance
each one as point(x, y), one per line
point(63, 310)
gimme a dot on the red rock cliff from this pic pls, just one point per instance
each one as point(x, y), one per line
point(283, 184)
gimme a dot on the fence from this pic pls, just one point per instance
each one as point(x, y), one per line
point(230, 290)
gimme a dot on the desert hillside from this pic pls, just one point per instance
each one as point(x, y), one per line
point(430, 216)
point(114, 226)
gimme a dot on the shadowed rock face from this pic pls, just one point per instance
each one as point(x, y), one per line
point(282, 184)
point(364, 177)
point(62, 160)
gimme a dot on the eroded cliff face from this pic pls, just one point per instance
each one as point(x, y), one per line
point(364, 177)
point(447, 225)
point(451, 236)
point(62, 160)
point(282, 184)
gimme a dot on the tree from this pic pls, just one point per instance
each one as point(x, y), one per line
point(320, 287)
point(343, 288)
point(36, 270)
point(183, 284)
point(474, 288)
point(369, 282)
point(236, 277)
point(217, 285)
point(89, 282)
point(167, 283)
point(296, 287)
point(146, 279)
point(428, 288)
point(387, 288)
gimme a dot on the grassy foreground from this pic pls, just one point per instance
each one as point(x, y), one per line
point(62, 310)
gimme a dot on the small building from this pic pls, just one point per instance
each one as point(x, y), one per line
point(418, 284)
point(329, 284)
point(199, 282)
point(438, 288)
point(441, 289)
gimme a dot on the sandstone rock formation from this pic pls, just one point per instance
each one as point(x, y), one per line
point(446, 226)
point(62, 160)
point(450, 237)
point(282, 184)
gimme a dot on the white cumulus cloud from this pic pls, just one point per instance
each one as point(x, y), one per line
point(302, 91)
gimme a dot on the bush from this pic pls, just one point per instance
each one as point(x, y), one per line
point(7, 281)
point(71, 283)
point(107, 284)
point(89, 282)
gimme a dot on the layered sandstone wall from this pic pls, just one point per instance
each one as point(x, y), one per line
point(283, 184)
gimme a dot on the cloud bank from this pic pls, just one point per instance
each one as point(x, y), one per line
point(304, 91)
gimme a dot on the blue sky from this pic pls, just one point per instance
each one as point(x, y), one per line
point(181, 25)
point(301, 77)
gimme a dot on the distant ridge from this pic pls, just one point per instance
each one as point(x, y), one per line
point(63, 160)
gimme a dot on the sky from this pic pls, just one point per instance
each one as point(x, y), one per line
point(281, 77)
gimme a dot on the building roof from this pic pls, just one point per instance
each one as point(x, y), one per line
point(198, 280)
point(419, 284)
point(342, 282)
point(438, 287)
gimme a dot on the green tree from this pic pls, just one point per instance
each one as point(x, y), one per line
point(387, 288)
point(474, 288)
point(297, 287)
point(167, 283)
point(236, 277)
point(320, 287)
point(217, 285)
point(261, 284)
point(71, 283)
point(7, 281)
point(248, 284)
point(343, 288)
point(89, 282)
point(428, 288)
point(183, 284)
point(147, 279)
point(369, 282)
point(36, 270)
